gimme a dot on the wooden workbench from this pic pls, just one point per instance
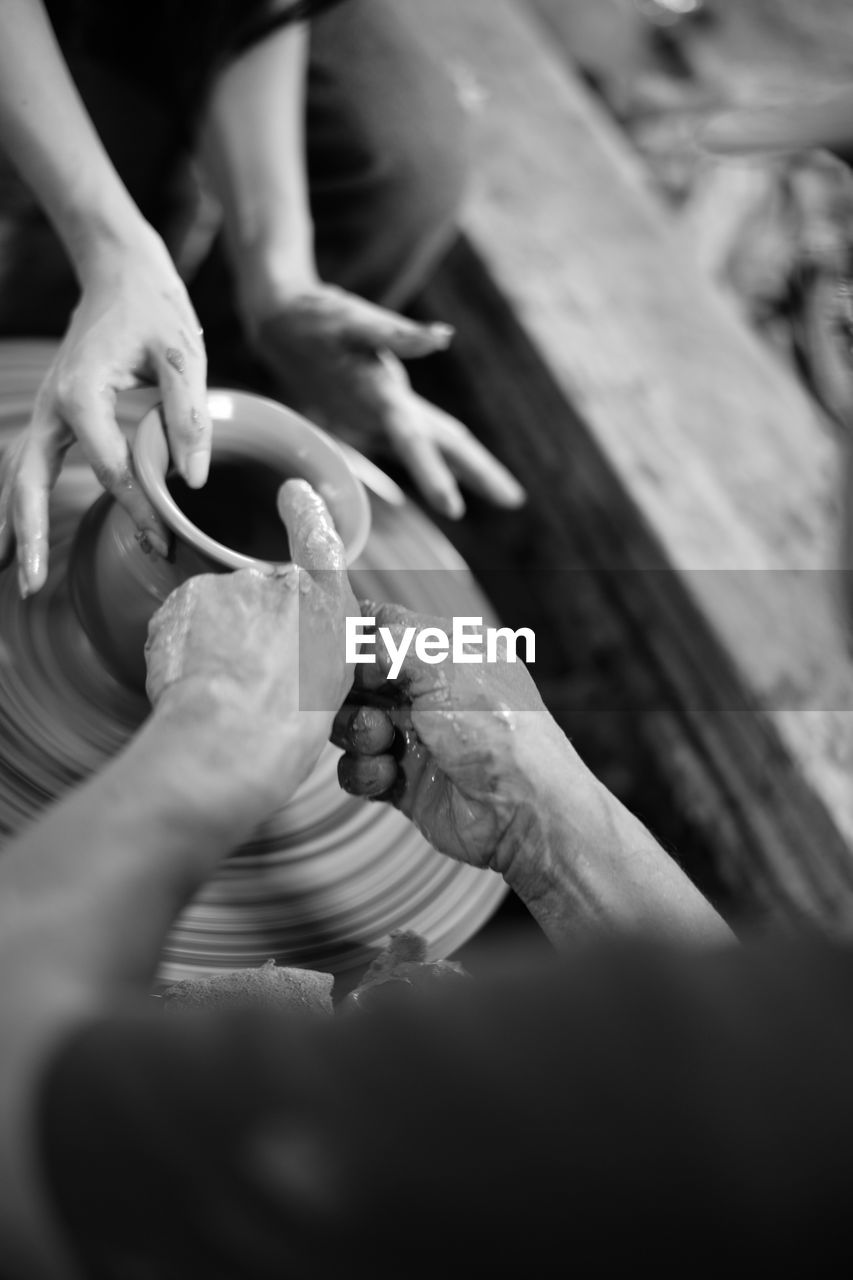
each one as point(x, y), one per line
point(670, 455)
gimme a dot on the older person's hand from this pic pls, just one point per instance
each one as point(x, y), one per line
point(260, 656)
point(467, 752)
point(470, 754)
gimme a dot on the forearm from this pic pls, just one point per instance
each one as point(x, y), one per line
point(581, 861)
point(107, 869)
point(253, 149)
point(47, 132)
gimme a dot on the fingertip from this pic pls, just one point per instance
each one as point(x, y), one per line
point(35, 564)
point(314, 539)
point(32, 570)
point(159, 541)
point(415, 340)
point(450, 503)
point(442, 334)
point(294, 499)
point(510, 494)
point(363, 730)
point(296, 490)
point(371, 777)
point(197, 468)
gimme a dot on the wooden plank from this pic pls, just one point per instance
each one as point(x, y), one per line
point(671, 431)
point(674, 670)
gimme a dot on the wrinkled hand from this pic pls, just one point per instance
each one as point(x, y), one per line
point(260, 656)
point(457, 748)
point(134, 324)
point(338, 359)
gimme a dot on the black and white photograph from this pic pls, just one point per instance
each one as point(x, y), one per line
point(426, 639)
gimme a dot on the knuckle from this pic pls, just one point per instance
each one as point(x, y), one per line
point(115, 477)
point(69, 391)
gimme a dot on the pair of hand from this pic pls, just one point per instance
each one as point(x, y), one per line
point(337, 358)
point(261, 658)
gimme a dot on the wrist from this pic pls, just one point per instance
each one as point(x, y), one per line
point(558, 803)
point(579, 859)
point(93, 238)
point(247, 761)
point(270, 275)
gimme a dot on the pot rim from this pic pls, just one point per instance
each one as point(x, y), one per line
point(151, 461)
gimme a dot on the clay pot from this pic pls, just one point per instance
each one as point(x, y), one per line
point(117, 583)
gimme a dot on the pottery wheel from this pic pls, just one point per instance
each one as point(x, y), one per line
point(328, 877)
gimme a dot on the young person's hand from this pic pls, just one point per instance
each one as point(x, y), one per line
point(339, 359)
point(134, 324)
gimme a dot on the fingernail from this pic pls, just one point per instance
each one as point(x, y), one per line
point(23, 584)
point(197, 468)
point(515, 495)
point(158, 541)
point(442, 332)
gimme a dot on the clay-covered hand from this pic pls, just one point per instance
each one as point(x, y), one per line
point(134, 324)
point(338, 359)
point(260, 656)
point(458, 748)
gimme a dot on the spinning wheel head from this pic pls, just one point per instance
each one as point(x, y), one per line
point(329, 877)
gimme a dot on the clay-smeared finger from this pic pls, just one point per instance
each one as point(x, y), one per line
point(314, 540)
point(369, 776)
point(91, 416)
point(362, 731)
point(182, 376)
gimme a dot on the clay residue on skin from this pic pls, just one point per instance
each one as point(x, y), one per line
point(176, 358)
point(313, 528)
point(505, 716)
point(191, 343)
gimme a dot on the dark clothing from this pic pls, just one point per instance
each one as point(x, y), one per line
point(385, 155)
point(688, 1115)
point(171, 48)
